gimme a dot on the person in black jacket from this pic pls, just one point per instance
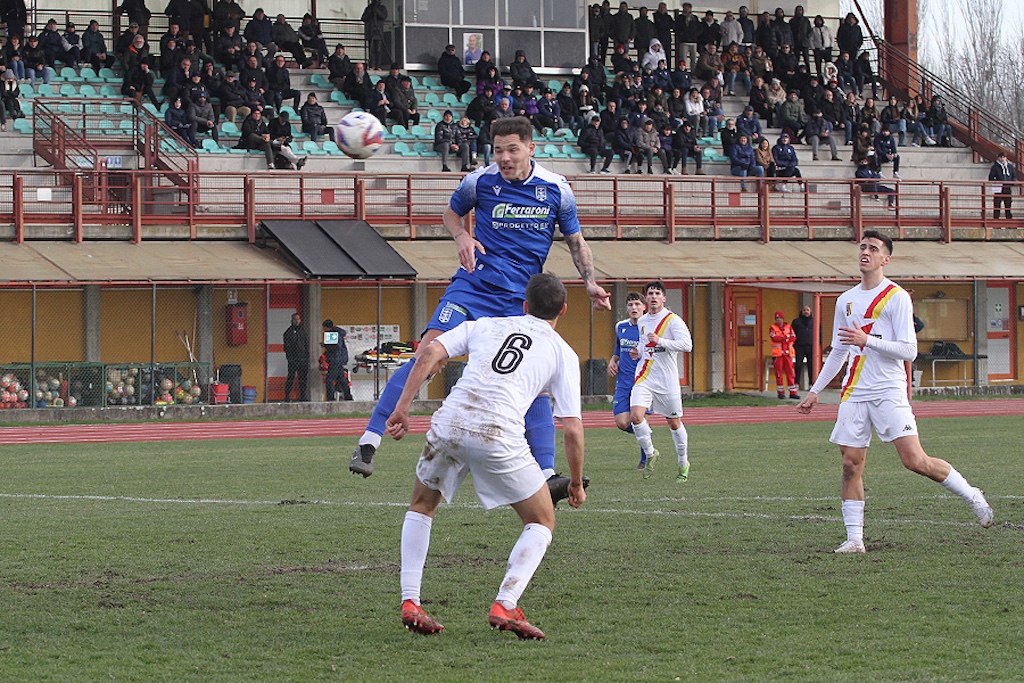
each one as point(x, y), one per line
point(336, 353)
point(593, 144)
point(449, 69)
point(1004, 172)
point(803, 328)
point(296, 352)
point(314, 119)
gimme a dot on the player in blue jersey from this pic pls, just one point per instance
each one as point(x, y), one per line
point(622, 366)
point(517, 204)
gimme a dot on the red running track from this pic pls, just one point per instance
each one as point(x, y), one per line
point(137, 432)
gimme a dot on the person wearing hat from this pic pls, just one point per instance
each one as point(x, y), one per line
point(491, 79)
point(449, 70)
point(138, 81)
point(233, 98)
point(336, 356)
point(684, 144)
point(549, 113)
point(783, 353)
point(228, 48)
point(279, 83)
point(202, 116)
point(311, 36)
point(35, 61)
point(255, 134)
point(406, 105)
point(578, 110)
point(94, 48)
point(750, 125)
point(176, 118)
point(786, 160)
point(817, 132)
point(260, 30)
point(71, 46)
point(138, 14)
point(592, 143)
point(743, 161)
point(253, 96)
point(521, 72)
point(49, 41)
point(482, 107)
point(648, 146)
point(870, 176)
point(280, 129)
point(447, 140)
point(314, 119)
point(378, 103)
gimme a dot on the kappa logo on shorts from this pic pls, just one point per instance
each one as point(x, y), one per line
point(541, 193)
point(908, 428)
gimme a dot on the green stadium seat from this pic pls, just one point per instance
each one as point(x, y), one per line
point(69, 75)
point(212, 146)
point(423, 150)
point(23, 126)
point(68, 90)
point(467, 98)
point(45, 90)
point(421, 133)
point(431, 99)
point(108, 90)
point(89, 75)
point(430, 83)
point(228, 128)
point(570, 151)
point(554, 152)
point(27, 91)
point(434, 115)
point(87, 91)
point(450, 100)
point(320, 81)
point(299, 151)
point(402, 149)
point(108, 75)
point(331, 147)
point(401, 132)
point(313, 149)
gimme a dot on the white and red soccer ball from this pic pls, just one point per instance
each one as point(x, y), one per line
point(359, 134)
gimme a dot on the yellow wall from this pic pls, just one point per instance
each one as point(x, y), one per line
point(16, 323)
point(59, 325)
point(251, 355)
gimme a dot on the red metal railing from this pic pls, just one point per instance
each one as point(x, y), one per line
point(221, 205)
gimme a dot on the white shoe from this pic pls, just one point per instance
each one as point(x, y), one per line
point(895, 175)
point(980, 507)
point(851, 547)
point(930, 142)
point(915, 144)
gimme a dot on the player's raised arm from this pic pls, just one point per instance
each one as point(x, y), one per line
point(458, 227)
point(398, 422)
point(583, 258)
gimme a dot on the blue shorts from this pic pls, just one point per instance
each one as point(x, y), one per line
point(464, 300)
point(621, 402)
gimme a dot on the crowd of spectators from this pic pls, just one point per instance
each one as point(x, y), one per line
point(661, 101)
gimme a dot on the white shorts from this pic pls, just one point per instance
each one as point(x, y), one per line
point(503, 469)
point(669, 405)
point(890, 419)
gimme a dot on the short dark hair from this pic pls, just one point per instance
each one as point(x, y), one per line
point(517, 125)
point(545, 295)
point(655, 284)
point(634, 296)
point(328, 323)
point(884, 239)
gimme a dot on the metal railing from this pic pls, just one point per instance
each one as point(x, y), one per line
point(225, 205)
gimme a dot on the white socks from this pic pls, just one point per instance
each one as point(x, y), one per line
point(523, 561)
point(415, 543)
point(679, 438)
point(370, 438)
point(642, 432)
point(955, 483)
point(853, 518)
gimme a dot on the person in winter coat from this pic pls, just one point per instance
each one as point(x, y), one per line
point(624, 143)
point(684, 145)
point(785, 158)
point(521, 72)
point(886, 151)
point(314, 119)
point(648, 146)
point(592, 143)
point(783, 353)
point(176, 119)
point(449, 70)
point(821, 43)
point(743, 161)
point(448, 141)
point(850, 37)
point(1004, 172)
point(818, 131)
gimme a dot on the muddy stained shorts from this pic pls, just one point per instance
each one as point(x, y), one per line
point(503, 469)
point(890, 420)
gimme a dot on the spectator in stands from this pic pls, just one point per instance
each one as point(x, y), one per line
point(787, 164)
point(624, 143)
point(728, 137)
point(373, 18)
point(735, 66)
point(750, 125)
point(685, 145)
point(136, 53)
point(712, 94)
point(447, 141)
point(255, 134)
point(279, 84)
point(621, 63)
point(312, 37)
point(938, 121)
point(681, 77)
point(357, 83)
point(549, 113)
point(449, 69)
point(800, 28)
point(378, 103)
point(655, 53)
point(393, 78)
point(817, 132)
point(871, 185)
point(869, 116)
point(138, 81)
point(844, 70)
point(792, 115)
point(863, 73)
point(622, 26)
point(227, 13)
point(576, 110)
point(280, 131)
point(592, 143)
point(468, 137)
point(886, 152)
point(138, 14)
point(491, 80)
point(758, 101)
point(696, 112)
point(233, 98)
point(339, 68)
point(759, 63)
point(314, 119)
point(766, 36)
point(821, 43)
point(785, 65)
point(645, 33)
point(688, 32)
point(892, 119)
point(648, 146)
point(530, 107)
point(812, 94)
point(49, 41)
point(170, 56)
point(849, 37)
point(743, 161)
point(178, 79)
point(521, 72)
point(763, 157)
point(863, 146)
point(9, 93)
point(610, 116)
point(200, 19)
point(202, 117)
point(916, 112)
point(482, 65)
point(176, 119)
point(732, 31)
point(126, 40)
point(228, 48)
point(94, 48)
point(406, 106)
point(285, 37)
point(776, 96)
point(1004, 173)
point(195, 87)
point(597, 32)
point(11, 56)
point(253, 69)
point(254, 97)
point(709, 64)
point(663, 29)
point(174, 35)
point(260, 30)
point(213, 80)
point(832, 110)
point(482, 107)
point(71, 46)
point(178, 13)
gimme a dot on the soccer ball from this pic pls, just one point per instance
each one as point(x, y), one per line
point(359, 134)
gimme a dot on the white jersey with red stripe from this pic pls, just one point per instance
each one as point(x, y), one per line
point(884, 312)
point(658, 367)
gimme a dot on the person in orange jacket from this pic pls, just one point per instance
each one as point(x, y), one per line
point(783, 354)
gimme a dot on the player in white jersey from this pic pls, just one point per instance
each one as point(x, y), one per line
point(663, 335)
point(874, 328)
point(479, 430)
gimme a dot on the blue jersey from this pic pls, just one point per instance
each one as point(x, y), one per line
point(627, 337)
point(515, 223)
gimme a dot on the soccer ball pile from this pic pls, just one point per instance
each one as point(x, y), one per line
point(359, 134)
point(129, 386)
point(12, 395)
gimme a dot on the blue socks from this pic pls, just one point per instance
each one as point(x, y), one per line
point(540, 432)
point(389, 399)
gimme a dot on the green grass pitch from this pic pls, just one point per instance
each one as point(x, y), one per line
point(265, 560)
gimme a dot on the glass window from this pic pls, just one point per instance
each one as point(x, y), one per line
point(562, 49)
point(427, 12)
point(564, 13)
point(519, 13)
point(478, 12)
